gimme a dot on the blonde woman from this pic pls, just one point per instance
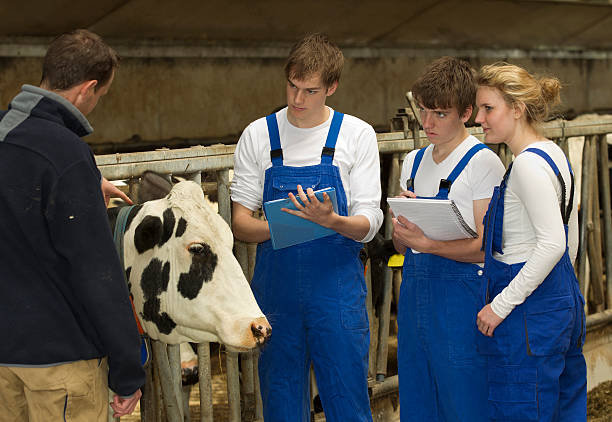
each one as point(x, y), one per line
point(533, 321)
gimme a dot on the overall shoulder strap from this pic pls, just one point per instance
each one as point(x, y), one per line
point(565, 211)
point(276, 152)
point(445, 184)
point(464, 161)
point(415, 167)
point(327, 156)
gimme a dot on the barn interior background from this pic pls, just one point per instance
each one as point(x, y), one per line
point(197, 72)
point(202, 70)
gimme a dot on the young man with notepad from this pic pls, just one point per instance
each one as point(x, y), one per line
point(441, 375)
point(313, 292)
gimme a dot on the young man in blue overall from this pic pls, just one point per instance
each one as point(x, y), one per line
point(441, 375)
point(313, 293)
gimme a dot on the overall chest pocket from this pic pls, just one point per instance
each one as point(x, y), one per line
point(282, 187)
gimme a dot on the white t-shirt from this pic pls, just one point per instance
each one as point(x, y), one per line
point(356, 156)
point(533, 228)
point(477, 180)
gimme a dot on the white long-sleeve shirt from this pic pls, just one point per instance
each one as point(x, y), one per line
point(477, 181)
point(533, 229)
point(356, 156)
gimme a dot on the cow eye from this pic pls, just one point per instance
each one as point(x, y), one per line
point(196, 248)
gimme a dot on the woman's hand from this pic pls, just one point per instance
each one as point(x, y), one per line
point(487, 321)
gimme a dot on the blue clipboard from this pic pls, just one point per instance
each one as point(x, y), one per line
point(288, 230)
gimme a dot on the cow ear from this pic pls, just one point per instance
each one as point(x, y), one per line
point(148, 233)
point(153, 186)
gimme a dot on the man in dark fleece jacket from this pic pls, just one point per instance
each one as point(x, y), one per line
point(68, 330)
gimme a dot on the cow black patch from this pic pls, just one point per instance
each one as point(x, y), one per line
point(128, 271)
point(202, 267)
point(181, 227)
point(113, 212)
point(154, 281)
point(169, 221)
point(148, 233)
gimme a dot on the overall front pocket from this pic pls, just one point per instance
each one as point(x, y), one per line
point(548, 325)
point(513, 393)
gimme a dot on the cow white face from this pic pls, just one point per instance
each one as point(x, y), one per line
point(187, 284)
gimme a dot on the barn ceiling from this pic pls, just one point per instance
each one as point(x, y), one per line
point(523, 24)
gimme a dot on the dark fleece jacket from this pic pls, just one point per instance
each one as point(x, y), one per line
point(62, 293)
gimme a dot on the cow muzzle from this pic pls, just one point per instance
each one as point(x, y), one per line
point(261, 330)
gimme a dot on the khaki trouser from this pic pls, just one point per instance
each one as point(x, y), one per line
point(72, 392)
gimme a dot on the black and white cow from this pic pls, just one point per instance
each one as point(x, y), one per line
point(186, 283)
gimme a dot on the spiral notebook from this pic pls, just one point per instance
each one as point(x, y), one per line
point(439, 219)
point(288, 230)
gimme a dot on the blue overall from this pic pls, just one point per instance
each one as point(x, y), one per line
point(313, 294)
point(441, 375)
point(536, 370)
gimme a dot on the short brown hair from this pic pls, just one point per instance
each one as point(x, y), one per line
point(76, 57)
point(313, 54)
point(518, 86)
point(447, 82)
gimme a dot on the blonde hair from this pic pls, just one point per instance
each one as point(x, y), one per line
point(517, 86)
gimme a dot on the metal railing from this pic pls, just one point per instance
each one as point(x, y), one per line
point(594, 262)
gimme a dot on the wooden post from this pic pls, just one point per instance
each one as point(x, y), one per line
point(174, 359)
point(233, 386)
point(224, 196)
point(594, 235)
point(383, 328)
point(585, 206)
point(258, 401)
point(604, 186)
point(233, 379)
point(147, 401)
point(195, 177)
point(173, 410)
point(373, 323)
point(248, 375)
point(134, 189)
point(205, 383)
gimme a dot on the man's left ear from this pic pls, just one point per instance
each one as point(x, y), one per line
point(467, 114)
point(332, 88)
point(88, 88)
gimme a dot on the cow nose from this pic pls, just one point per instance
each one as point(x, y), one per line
point(261, 331)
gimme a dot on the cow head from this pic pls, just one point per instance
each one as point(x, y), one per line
point(186, 283)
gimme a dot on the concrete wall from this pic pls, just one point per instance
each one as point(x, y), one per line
point(160, 99)
point(598, 356)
